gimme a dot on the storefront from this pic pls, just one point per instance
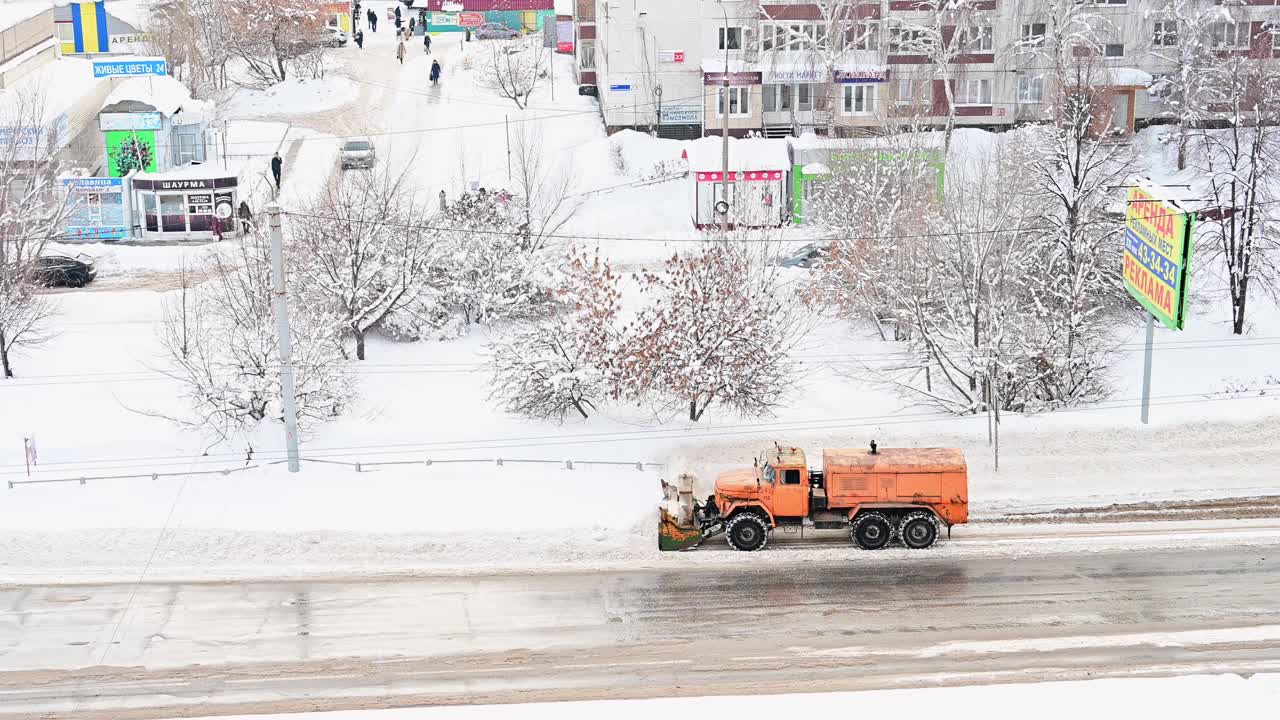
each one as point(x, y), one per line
point(194, 203)
point(97, 209)
point(756, 187)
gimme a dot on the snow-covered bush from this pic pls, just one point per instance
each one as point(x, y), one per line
point(717, 326)
point(220, 339)
point(568, 361)
point(488, 269)
point(511, 68)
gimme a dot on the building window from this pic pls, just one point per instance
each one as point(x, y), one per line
point(1160, 87)
point(1030, 89)
point(973, 92)
point(782, 97)
point(864, 35)
point(906, 41)
point(1165, 34)
point(1032, 33)
point(859, 99)
point(66, 33)
point(730, 38)
point(976, 39)
point(586, 55)
point(912, 92)
point(804, 36)
point(187, 148)
point(1113, 50)
point(1230, 35)
point(739, 102)
point(1104, 2)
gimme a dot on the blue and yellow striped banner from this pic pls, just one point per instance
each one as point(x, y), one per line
point(89, 29)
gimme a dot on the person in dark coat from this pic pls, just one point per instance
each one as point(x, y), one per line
point(373, 20)
point(356, 14)
point(360, 39)
point(435, 71)
point(246, 217)
point(410, 24)
point(276, 166)
point(426, 42)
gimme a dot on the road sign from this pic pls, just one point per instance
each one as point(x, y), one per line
point(471, 19)
point(619, 88)
point(130, 68)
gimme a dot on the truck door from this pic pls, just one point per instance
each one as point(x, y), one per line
point(791, 493)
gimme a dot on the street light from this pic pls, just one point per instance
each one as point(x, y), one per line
point(724, 152)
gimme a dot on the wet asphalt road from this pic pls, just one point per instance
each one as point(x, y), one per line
point(204, 648)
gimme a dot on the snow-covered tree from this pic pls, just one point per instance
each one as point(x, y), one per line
point(269, 35)
point(192, 36)
point(718, 326)
point(32, 210)
point(359, 249)
point(1185, 44)
point(944, 31)
point(569, 360)
point(489, 269)
point(512, 68)
point(1240, 164)
point(875, 194)
point(542, 190)
point(229, 368)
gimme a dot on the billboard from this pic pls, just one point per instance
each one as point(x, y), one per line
point(129, 150)
point(1157, 254)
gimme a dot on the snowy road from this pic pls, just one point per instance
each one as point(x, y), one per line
point(249, 647)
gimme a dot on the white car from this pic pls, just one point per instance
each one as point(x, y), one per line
point(358, 152)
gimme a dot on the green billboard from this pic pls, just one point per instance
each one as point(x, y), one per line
point(129, 150)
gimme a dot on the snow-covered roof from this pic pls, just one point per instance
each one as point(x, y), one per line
point(816, 169)
point(163, 93)
point(801, 64)
point(918, 141)
point(1126, 76)
point(744, 154)
point(58, 86)
point(203, 171)
point(16, 11)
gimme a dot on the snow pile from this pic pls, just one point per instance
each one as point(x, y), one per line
point(745, 154)
point(163, 93)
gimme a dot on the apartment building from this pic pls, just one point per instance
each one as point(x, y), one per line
point(848, 67)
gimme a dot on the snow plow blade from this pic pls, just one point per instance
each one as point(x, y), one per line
point(679, 525)
point(673, 537)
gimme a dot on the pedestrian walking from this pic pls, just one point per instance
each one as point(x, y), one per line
point(410, 24)
point(397, 14)
point(356, 13)
point(276, 166)
point(373, 20)
point(246, 217)
point(426, 42)
point(468, 34)
point(360, 39)
point(435, 71)
point(400, 52)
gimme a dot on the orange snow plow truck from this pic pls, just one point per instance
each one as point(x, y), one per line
point(903, 494)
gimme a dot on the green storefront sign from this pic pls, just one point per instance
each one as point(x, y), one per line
point(129, 150)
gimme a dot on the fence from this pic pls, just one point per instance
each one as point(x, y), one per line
point(359, 467)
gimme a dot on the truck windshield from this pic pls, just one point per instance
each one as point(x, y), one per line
point(769, 473)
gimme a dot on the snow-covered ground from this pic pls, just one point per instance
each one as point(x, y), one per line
point(94, 396)
point(1182, 698)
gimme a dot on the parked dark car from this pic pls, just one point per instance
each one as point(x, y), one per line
point(805, 257)
point(496, 31)
point(57, 270)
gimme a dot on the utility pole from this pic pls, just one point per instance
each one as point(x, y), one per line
point(288, 398)
point(507, 120)
point(724, 128)
point(1146, 368)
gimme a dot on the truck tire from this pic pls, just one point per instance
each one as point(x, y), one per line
point(918, 530)
point(747, 532)
point(871, 531)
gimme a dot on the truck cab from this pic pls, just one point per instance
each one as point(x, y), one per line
point(777, 488)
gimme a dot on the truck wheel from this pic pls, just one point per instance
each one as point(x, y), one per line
point(871, 531)
point(747, 532)
point(918, 530)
